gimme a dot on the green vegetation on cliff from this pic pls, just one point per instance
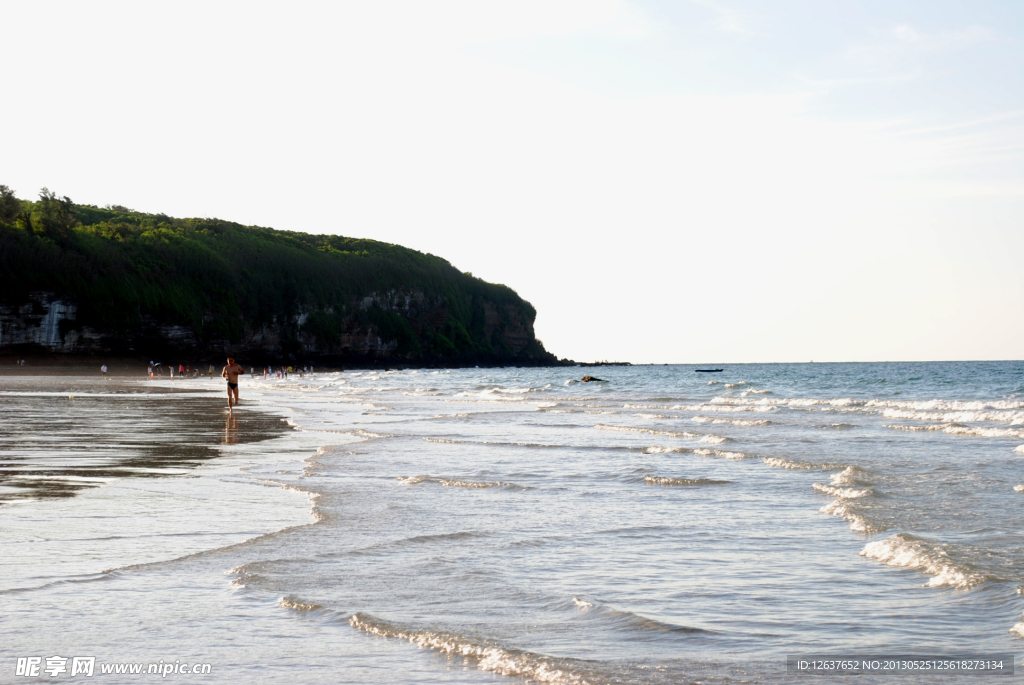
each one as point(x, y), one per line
point(250, 288)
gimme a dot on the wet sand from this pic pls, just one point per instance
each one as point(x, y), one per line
point(61, 434)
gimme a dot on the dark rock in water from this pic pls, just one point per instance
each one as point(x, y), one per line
point(590, 379)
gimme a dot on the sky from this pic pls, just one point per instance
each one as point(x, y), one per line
point(669, 181)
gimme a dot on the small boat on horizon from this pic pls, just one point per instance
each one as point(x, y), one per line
point(708, 370)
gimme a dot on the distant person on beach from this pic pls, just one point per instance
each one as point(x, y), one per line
point(231, 372)
point(103, 371)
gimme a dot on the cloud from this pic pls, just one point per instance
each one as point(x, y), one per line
point(906, 41)
point(727, 19)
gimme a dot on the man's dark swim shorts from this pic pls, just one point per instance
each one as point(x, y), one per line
point(232, 385)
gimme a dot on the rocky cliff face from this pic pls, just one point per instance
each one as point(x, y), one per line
point(48, 323)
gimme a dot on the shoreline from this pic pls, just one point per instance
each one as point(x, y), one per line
point(136, 367)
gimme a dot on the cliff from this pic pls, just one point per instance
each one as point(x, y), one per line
point(78, 279)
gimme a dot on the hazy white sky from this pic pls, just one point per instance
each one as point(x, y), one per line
point(687, 181)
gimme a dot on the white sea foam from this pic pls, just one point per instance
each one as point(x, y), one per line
point(851, 475)
point(457, 483)
point(661, 480)
point(736, 422)
point(649, 431)
point(703, 452)
point(1018, 488)
point(714, 439)
point(932, 558)
point(646, 416)
point(725, 407)
point(780, 463)
point(485, 655)
point(1019, 449)
point(669, 450)
point(947, 405)
point(1011, 417)
point(858, 523)
point(292, 603)
point(957, 429)
point(842, 493)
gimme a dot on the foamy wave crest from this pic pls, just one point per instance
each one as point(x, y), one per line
point(858, 523)
point(484, 654)
point(714, 439)
point(780, 463)
point(457, 483)
point(661, 480)
point(947, 405)
point(1012, 417)
point(721, 453)
point(1018, 488)
point(446, 441)
point(1018, 630)
point(733, 422)
point(292, 603)
point(642, 416)
point(842, 493)
point(1019, 449)
point(851, 475)
point(792, 402)
point(668, 450)
point(932, 558)
point(760, 408)
point(735, 385)
point(957, 429)
point(649, 431)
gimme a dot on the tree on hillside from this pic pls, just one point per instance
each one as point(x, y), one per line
point(9, 205)
point(57, 214)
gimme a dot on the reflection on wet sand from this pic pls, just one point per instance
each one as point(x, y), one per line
point(53, 447)
point(230, 429)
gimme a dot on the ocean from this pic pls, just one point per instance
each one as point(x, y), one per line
point(511, 525)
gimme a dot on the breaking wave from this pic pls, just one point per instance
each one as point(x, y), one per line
point(649, 431)
point(721, 453)
point(780, 463)
point(486, 655)
point(933, 558)
point(958, 429)
point(858, 523)
point(734, 422)
point(669, 450)
point(661, 480)
point(851, 475)
point(294, 604)
point(842, 493)
point(456, 483)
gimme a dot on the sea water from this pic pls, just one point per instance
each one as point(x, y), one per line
point(488, 525)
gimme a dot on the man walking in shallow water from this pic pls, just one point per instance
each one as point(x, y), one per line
point(231, 372)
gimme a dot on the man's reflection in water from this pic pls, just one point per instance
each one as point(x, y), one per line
point(231, 430)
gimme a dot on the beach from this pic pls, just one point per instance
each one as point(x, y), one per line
point(502, 525)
